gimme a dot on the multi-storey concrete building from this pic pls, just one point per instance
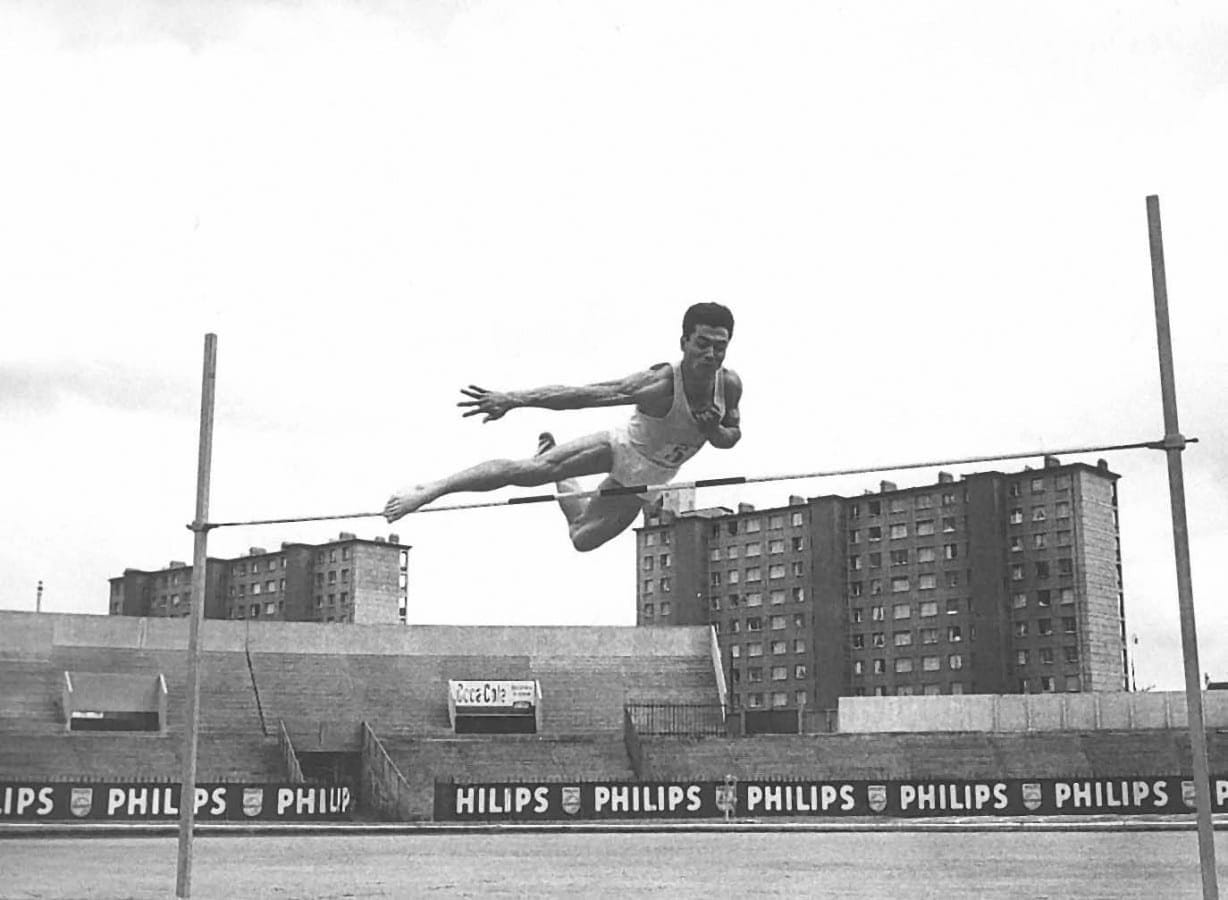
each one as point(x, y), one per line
point(994, 583)
point(350, 579)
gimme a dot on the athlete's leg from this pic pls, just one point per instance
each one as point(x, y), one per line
point(573, 507)
point(604, 518)
point(590, 455)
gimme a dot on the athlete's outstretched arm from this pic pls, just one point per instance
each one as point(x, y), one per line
point(728, 431)
point(634, 388)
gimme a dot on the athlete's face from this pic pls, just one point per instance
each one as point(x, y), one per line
point(704, 348)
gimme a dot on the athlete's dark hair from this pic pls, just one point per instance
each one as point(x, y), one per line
point(712, 314)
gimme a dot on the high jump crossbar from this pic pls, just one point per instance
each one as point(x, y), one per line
point(1177, 442)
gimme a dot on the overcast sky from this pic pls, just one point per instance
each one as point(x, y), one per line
point(928, 219)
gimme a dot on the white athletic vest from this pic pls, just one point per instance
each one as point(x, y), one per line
point(672, 440)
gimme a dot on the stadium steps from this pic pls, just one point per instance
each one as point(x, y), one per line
point(1129, 753)
point(393, 694)
point(30, 697)
point(138, 757)
point(504, 758)
point(1055, 754)
point(227, 699)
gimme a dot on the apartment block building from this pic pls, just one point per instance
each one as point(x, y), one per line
point(350, 579)
point(992, 583)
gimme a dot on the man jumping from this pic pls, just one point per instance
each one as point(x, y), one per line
point(678, 408)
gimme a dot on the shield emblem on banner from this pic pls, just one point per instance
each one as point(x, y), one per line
point(1031, 795)
point(1188, 794)
point(726, 798)
point(253, 801)
point(571, 800)
point(81, 801)
point(877, 794)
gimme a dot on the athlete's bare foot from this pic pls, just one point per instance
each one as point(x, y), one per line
point(406, 501)
point(545, 443)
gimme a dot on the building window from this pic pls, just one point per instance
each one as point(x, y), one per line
point(950, 551)
point(878, 639)
point(332, 576)
point(734, 576)
point(715, 603)
point(1046, 656)
point(854, 536)
point(1038, 485)
point(649, 586)
point(1040, 540)
point(952, 579)
point(902, 638)
point(270, 609)
point(1017, 543)
point(1063, 538)
point(1021, 629)
point(776, 572)
point(1019, 601)
point(715, 579)
point(1038, 514)
point(754, 599)
point(753, 550)
point(754, 623)
point(925, 528)
point(780, 647)
point(797, 520)
point(735, 651)
point(858, 615)
point(927, 582)
point(755, 574)
point(859, 642)
point(1066, 595)
point(929, 635)
point(270, 587)
point(650, 539)
point(1016, 572)
point(875, 532)
point(780, 698)
point(1021, 657)
point(799, 595)
point(664, 560)
point(926, 555)
point(930, 663)
point(877, 614)
point(859, 667)
point(255, 587)
point(1043, 599)
point(903, 665)
point(955, 661)
point(778, 623)
point(899, 531)
point(899, 557)
point(901, 611)
point(735, 626)
point(1046, 684)
point(649, 563)
point(876, 560)
point(955, 634)
point(1073, 683)
point(715, 555)
point(953, 607)
point(665, 586)
point(1071, 654)
point(1068, 624)
point(752, 526)
point(799, 620)
point(1063, 510)
point(1065, 567)
point(776, 546)
point(665, 608)
point(780, 673)
point(777, 598)
point(1016, 516)
point(754, 701)
point(1042, 569)
point(799, 670)
point(929, 608)
point(798, 569)
point(880, 667)
point(1044, 627)
point(899, 585)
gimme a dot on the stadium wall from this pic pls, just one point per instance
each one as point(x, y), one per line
point(995, 713)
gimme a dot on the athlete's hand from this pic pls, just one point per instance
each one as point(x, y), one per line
point(492, 404)
point(708, 420)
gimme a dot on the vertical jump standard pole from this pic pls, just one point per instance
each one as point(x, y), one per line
point(1174, 443)
point(204, 460)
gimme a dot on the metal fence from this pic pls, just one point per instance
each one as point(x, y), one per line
point(678, 719)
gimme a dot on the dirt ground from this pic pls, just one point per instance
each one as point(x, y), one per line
point(667, 865)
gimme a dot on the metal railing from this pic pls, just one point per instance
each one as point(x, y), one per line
point(677, 719)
